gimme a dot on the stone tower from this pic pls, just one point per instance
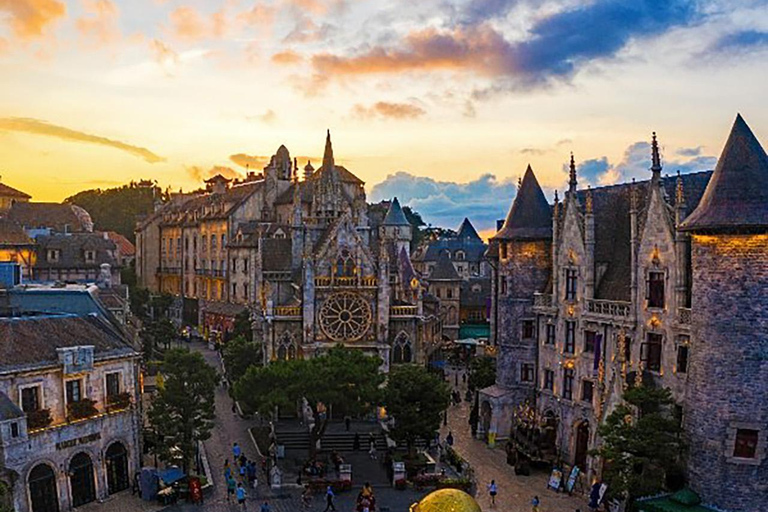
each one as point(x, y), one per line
point(726, 406)
point(396, 228)
point(445, 284)
point(522, 249)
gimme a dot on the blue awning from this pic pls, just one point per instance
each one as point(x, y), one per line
point(171, 475)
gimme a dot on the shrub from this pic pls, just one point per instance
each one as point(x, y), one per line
point(84, 408)
point(40, 418)
point(119, 401)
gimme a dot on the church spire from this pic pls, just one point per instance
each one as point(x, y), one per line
point(572, 176)
point(655, 159)
point(328, 162)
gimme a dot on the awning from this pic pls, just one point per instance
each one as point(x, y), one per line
point(170, 475)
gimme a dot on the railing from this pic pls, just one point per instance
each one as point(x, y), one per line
point(684, 316)
point(542, 300)
point(287, 310)
point(169, 270)
point(324, 281)
point(612, 308)
point(277, 275)
point(93, 422)
point(369, 281)
point(218, 273)
point(403, 310)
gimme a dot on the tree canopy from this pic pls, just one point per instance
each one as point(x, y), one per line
point(416, 399)
point(641, 443)
point(239, 354)
point(182, 413)
point(118, 208)
point(482, 372)
point(344, 380)
point(157, 335)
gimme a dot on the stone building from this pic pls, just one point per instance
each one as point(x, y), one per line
point(10, 196)
point(77, 257)
point(606, 288)
point(445, 285)
point(313, 262)
point(69, 419)
point(466, 250)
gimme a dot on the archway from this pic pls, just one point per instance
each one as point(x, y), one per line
point(486, 412)
point(582, 445)
point(81, 480)
point(548, 442)
point(117, 468)
point(42, 489)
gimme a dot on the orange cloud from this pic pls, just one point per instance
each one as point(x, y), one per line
point(100, 21)
point(259, 14)
point(267, 117)
point(250, 161)
point(187, 23)
point(388, 110)
point(37, 127)
point(199, 174)
point(480, 48)
point(163, 55)
point(28, 18)
point(287, 57)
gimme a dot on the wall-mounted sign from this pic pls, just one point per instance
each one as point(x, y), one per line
point(63, 445)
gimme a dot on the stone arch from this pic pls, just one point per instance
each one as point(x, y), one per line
point(82, 479)
point(581, 439)
point(42, 488)
point(402, 349)
point(486, 414)
point(116, 466)
point(286, 347)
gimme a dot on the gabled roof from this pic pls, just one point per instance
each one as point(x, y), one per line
point(395, 215)
point(11, 233)
point(736, 197)
point(530, 217)
point(6, 191)
point(55, 216)
point(218, 178)
point(467, 231)
point(124, 246)
point(8, 409)
point(444, 269)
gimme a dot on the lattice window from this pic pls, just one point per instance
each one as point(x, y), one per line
point(345, 316)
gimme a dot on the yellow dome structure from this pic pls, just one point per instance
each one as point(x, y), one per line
point(446, 500)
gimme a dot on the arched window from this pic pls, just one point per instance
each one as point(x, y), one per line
point(460, 256)
point(81, 479)
point(117, 467)
point(286, 349)
point(42, 489)
point(345, 265)
point(402, 350)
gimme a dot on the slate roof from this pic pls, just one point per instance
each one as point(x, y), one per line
point(276, 254)
point(444, 269)
point(124, 246)
point(471, 298)
point(473, 250)
point(467, 231)
point(7, 191)
point(11, 233)
point(737, 195)
point(530, 217)
point(206, 206)
point(54, 216)
point(395, 215)
point(72, 250)
point(28, 342)
point(8, 409)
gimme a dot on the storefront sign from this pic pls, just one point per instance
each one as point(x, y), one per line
point(63, 445)
point(555, 478)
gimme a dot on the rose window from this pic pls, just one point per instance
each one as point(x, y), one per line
point(345, 316)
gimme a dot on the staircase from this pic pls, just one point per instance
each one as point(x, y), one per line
point(339, 441)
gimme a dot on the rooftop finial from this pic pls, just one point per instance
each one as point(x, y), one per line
point(556, 208)
point(679, 195)
point(572, 175)
point(589, 199)
point(328, 162)
point(655, 158)
point(519, 182)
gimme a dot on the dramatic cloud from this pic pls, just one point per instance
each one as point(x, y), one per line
point(253, 162)
point(445, 203)
point(198, 173)
point(28, 18)
point(636, 163)
point(100, 21)
point(37, 127)
point(555, 47)
point(743, 41)
point(386, 110)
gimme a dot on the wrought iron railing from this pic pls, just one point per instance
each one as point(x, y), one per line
point(403, 310)
point(612, 308)
point(287, 310)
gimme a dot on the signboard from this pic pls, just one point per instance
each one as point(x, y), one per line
point(572, 479)
point(555, 479)
point(63, 445)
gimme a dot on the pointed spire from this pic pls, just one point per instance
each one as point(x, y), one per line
point(395, 215)
point(295, 170)
point(736, 197)
point(467, 231)
point(572, 176)
point(679, 194)
point(655, 159)
point(633, 196)
point(588, 206)
point(556, 207)
point(308, 170)
point(530, 217)
point(444, 269)
point(328, 162)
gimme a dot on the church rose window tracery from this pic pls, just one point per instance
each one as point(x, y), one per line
point(345, 316)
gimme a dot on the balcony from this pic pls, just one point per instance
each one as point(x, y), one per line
point(684, 316)
point(82, 431)
point(349, 282)
point(542, 303)
point(403, 311)
point(169, 271)
point(612, 309)
point(289, 311)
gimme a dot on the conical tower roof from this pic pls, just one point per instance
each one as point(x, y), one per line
point(530, 217)
point(467, 231)
point(444, 269)
point(395, 215)
point(328, 161)
point(736, 198)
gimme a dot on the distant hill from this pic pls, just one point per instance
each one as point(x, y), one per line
point(117, 209)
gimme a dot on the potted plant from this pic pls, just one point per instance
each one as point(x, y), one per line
point(84, 408)
point(119, 401)
point(38, 419)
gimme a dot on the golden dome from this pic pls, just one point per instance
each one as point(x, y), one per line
point(446, 500)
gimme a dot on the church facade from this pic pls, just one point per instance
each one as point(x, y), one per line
point(626, 284)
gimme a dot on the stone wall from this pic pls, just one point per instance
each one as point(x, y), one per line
point(728, 378)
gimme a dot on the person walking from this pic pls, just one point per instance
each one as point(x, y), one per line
point(347, 422)
point(535, 504)
point(244, 472)
point(236, 451)
point(265, 507)
point(227, 469)
point(329, 499)
point(241, 494)
point(231, 486)
point(493, 489)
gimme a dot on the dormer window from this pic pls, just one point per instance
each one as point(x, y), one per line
point(53, 255)
point(460, 255)
point(90, 256)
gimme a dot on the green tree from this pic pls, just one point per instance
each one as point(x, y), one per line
point(183, 409)
point(641, 443)
point(242, 326)
point(341, 379)
point(157, 334)
point(239, 354)
point(417, 400)
point(482, 372)
point(6, 497)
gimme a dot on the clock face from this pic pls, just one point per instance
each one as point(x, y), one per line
point(345, 316)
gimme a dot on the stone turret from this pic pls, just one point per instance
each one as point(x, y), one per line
point(396, 228)
point(726, 408)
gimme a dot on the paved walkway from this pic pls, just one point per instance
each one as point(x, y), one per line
point(515, 492)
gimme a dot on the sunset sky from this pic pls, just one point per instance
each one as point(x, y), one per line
point(442, 103)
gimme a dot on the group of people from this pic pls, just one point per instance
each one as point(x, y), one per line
point(246, 470)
